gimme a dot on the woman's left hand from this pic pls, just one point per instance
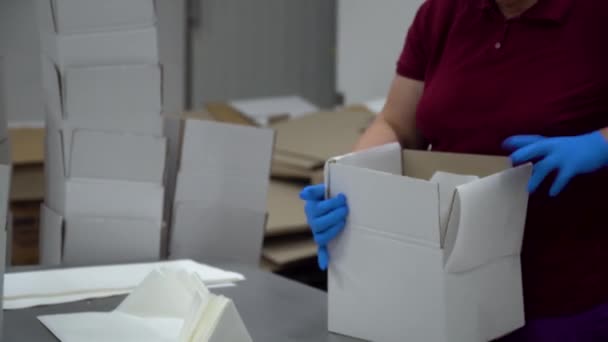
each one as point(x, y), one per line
point(568, 156)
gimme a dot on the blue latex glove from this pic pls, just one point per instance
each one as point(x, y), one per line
point(568, 156)
point(326, 218)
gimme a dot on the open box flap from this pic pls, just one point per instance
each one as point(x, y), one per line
point(51, 237)
point(424, 164)
point(447, 189)
point(110, 155)
point(51, 87)
point(487, 220)
point(386, 158)
point(54, 165)
point(382, 202)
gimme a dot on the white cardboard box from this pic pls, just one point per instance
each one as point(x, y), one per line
point(105, 175)
point(222, 189)
point(116, 97)
point(427, 260)
point(93, 240)
point(135, 42)
point(105, 205)
point(82, 16)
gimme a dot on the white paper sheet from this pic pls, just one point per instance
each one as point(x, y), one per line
point(168, 306)
point(263, 109)
point(29, 289)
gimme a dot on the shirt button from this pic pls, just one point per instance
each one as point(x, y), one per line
point(497, 45)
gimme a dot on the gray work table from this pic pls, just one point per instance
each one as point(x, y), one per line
point(273, 309)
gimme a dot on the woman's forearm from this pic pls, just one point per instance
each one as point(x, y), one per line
point(377, 134)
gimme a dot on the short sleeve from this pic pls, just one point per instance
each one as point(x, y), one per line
point(414, 56)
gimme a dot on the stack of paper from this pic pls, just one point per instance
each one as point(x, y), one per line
point(49, 287)
point(222, 185)
point(105, 153)
point(168, 306)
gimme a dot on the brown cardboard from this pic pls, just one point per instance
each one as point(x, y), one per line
point(281, 170)
point(287, 251)
point(320, 136)
point(27, 183)
point(27, 145)
point(422, 164)
point(285, 209)
point(223, 112)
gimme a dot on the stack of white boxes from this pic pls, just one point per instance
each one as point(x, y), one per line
point(5, 182)
point(105, 151)
point(222, 185)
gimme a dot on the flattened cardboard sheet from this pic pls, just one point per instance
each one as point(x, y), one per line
point(285, 209)
point(323, 135)
point(289, 250)
point(201, 233)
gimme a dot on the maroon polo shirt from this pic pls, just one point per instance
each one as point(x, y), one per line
point(545, 72)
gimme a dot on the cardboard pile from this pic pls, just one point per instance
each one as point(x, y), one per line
point(303, 145)
point(168, 306)
point(432, 246)
point(222, 184)
point(27, 191)
point(105, 153)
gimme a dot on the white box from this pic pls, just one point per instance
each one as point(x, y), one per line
point(107, 155)
point(117, 97)
point(431, 260)
point(221, 194)
point(82, 16)
point(94, 240)
point(138, 44)
point(104, 197)
point(107, 174)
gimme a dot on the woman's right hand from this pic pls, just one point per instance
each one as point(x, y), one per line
point(326, 218)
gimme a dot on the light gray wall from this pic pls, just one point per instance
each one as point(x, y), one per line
point(370, 37)
point(244, 49)
point(20, 47)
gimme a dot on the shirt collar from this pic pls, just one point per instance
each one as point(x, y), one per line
point(544, 10)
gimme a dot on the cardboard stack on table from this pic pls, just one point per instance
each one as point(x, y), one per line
point(305, 138)
point(105, 153)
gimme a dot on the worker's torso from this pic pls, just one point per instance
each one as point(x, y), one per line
point(543, 73)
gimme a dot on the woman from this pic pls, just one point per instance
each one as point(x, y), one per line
point(526, 78)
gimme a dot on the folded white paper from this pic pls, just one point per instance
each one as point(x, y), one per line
point(169, 305)
point(29, 289)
